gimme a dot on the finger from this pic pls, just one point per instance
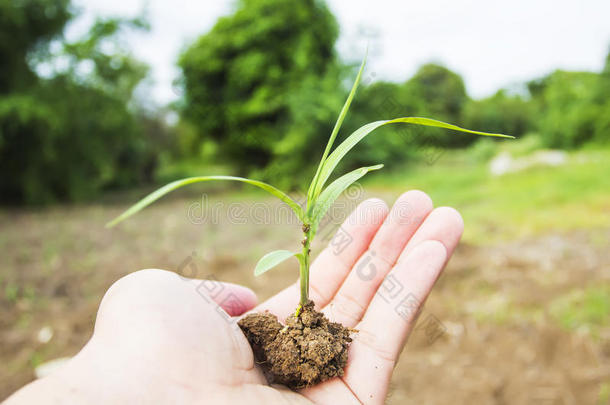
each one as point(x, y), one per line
point(444, 224)
point(233, 298)
point(410, 281)
point(407, 214)
point(331, 267)
point(394, 309)
point(382, 332)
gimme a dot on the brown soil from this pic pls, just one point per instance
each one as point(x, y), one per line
point(502, 340)
point(308, 350)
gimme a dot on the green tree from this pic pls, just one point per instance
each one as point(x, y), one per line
point(72, 133)
point(566, 107)
point(433, 91)
point(501, 113)
point(438, 92)
point(312, 110)
point(602, 122)
point(26, 25)
point(382, 100)
point(249, 81)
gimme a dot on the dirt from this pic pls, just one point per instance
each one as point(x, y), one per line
point(500, 338)
point(309, 349)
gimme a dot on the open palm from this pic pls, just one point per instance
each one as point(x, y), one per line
point(161, 338)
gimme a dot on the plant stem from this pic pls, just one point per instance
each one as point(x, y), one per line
point(304, 267)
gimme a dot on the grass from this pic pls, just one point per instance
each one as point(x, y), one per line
point(604, 393)
point(496, 209)
point(515, 205)
point(580, 309)
point(583, 308)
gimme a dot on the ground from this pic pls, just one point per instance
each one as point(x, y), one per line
point(521, 315)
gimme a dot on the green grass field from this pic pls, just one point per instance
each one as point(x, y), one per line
point(514, 205)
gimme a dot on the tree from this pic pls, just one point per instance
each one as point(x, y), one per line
point(24, 26)
point(602, 123)
point(439, 92)
point(433, 91)
point(501, 113)
point(72, 133)
point(566, 107)
point(246, 80)
point(382, 100)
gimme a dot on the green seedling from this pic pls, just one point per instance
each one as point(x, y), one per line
point(319, 196)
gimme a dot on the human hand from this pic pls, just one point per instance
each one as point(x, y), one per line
point(158, 340)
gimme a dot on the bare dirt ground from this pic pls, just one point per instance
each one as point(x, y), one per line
point(522, 322)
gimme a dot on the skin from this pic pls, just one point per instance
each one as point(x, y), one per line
point(162, 338)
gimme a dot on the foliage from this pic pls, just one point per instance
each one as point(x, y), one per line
point(312, 113)
point(566, 107)
point(601, 99)
point(38, 129)
point(71, 133)
point(240, 78)
point(25, 26)
point(382, 100)
point(439, 91)
point(502, 112)
point(246, 107)
point(261, 89)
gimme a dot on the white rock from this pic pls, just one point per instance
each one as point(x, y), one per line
point(504, 163)
point(550, 157)
point(501, 164)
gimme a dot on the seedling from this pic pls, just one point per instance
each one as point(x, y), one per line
point(319, 196)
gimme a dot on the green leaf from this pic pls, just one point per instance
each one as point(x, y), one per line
point(155, 195)
point(341, 150)
point(272, 259)
point(333, 135)
point(333, 191)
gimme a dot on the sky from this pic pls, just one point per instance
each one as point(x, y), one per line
point(491, 44)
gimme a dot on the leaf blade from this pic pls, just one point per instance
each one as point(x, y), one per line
point(272, 259)
point(310, 193)
point(333, 191)
point(334, 158)
point(155, 195)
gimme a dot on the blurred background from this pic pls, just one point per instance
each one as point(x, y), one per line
point(102, 101)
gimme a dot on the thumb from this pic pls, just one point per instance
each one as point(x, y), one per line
point(234, 299)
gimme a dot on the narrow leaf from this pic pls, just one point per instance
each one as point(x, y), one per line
point(272, 259)
point(341, 150)
point(333, 191)
point(155, 195)
point(336, 128)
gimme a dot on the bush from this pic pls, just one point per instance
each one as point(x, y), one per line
point(566, 106)
point(501, 113)
point(71, 134)
point(58, 150)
